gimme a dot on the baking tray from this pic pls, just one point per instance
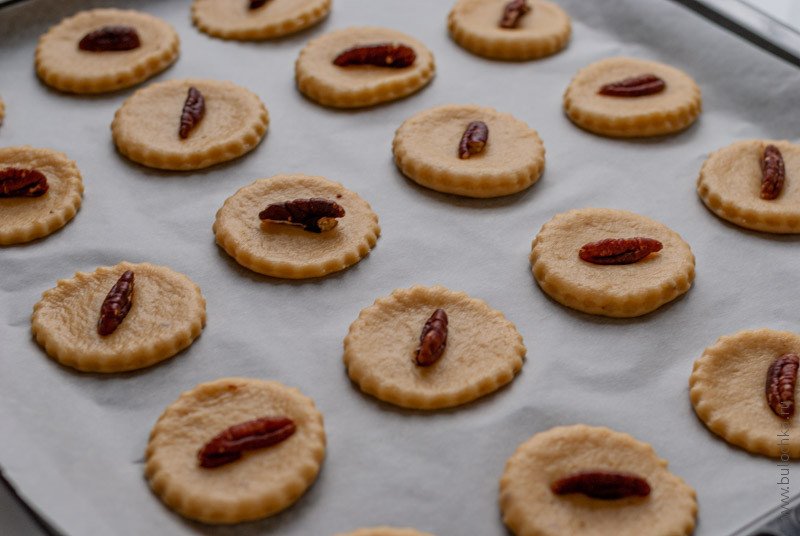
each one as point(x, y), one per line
point(75, 448)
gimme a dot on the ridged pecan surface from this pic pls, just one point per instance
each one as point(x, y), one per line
point(229, 445)
point(18, 182)
point(380, 55)
point(619, 250)
point(433, 339)
point(194, 108)
point(110, 39)
point(605, 485)
point(774, 173)
point(116, 305)
point(636, 86)
point(781, 381)
point(474, 139)
point(315, 214)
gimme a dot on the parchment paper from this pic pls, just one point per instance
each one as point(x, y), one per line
point(73, 443)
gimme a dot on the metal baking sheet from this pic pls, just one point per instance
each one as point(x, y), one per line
point(73, 443)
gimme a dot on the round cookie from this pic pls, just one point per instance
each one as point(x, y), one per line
point(484, 351)
point(64, 66)
point(167, 313)
point(27, 218)
point(145, 128)
point(426, 146)
point(259, 484)
point(730, 186)
point(359, 85)
point(289, 251)
point(727, 389)
point(530, 508)
point(385, 531)
point(544, 30)
point(232, 19)
point(624, 290)
point(666, 112)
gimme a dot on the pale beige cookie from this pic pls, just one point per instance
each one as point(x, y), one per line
point(730, 186)
point(359, 85)
point(484, 351)
point(145, 128)
point(611, 290)
point(475, 25)
point(232, 19)
point(64, 66)
point(728, 391)
point(167, 313)
point(530, 508)
point(260, 483)
point(426, 150)
point(27, 218)
point(671, 110)
point(289, 251)
point(385, 531)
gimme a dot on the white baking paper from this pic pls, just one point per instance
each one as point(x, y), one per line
point(72, 443)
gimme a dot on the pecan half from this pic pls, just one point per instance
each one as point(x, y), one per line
point(116, 305)
point(619, 250)
point(474, 139)
point(514, 11)
point(636, 86)
point(781, 380)
point(433, 339)
point(17, 182)
point(255, 4)
point(110, 39)
point(249, 435)
point(605, 485)
point(315, 214)
point(774, 172)
point(193, 110)
point(380, 55)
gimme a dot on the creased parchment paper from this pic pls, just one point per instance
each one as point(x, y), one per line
point(73, 443)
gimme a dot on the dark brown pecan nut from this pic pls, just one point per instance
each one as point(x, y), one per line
point(514, 11)
point(619, 250)
point(474, 139)
point(250, 435)
point(116, 305)
point(636, 86)
point(315, 214)
point(605, 485)
point(433, 339)
point(774, 172)
point(17, 182)
point(781, 380)
point(380, 55)
point(255, 4)
point(110, 39)
point(194, 108)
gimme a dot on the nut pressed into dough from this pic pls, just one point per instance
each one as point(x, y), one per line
point(727, 389)
point(145, 128)
point(544, 30)
point(611, 290)
point(484, 351)
point(385, 531)
point(730, 186)
point(232, 19)
point(530, 508)
point(289, 251)
point(62, 65)
point(259, 484)
point(167, 313)
point(27, 218)
point(426, 150)
point(671, 110)
point(359, 85)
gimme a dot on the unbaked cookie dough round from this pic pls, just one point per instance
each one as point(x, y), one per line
point(27, 218)
point(730, 186)
point(544, 30)
point(64, 66)
point(233, 19)
point(426, 150)
point(727, 389)
point(530, 508)
point(260, 483)
point(386, 531)
point(359, 85)
point(624, 290)
point(145, 128)
point(484, 351)
point(666, 112)
point(289, 251)
point(167, 313)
